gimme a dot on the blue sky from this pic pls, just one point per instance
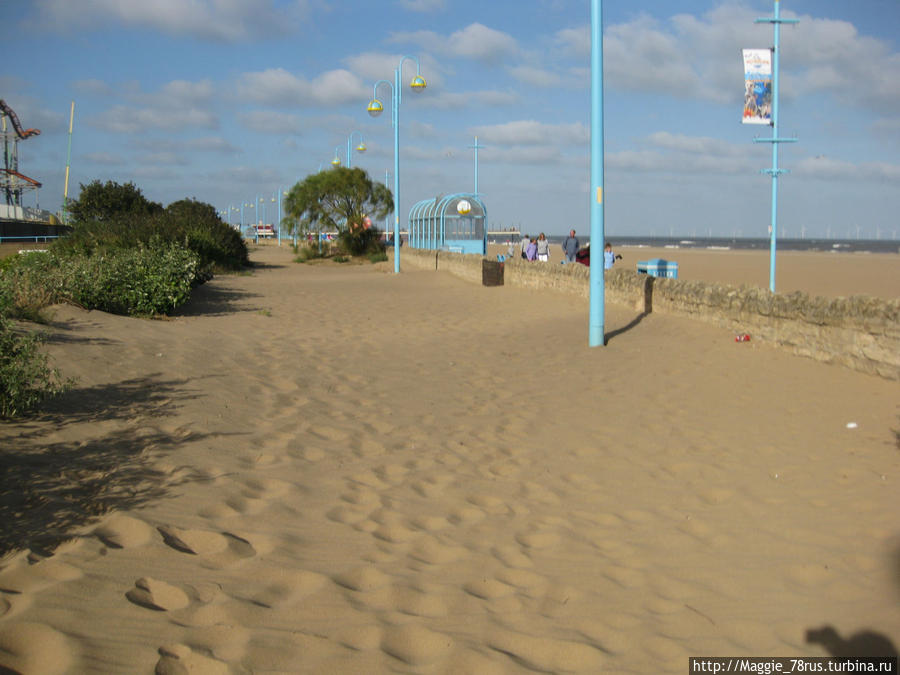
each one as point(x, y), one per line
point(227, 100)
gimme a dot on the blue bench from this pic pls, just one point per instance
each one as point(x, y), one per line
point(657, 267)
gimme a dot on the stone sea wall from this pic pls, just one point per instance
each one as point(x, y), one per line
point(859, 332)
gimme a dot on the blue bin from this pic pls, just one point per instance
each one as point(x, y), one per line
point(657, 267)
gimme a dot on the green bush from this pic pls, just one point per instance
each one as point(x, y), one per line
point(381, 256)
point(360, 241)
point(137, 282)
point(25, 377)
point(187, 223)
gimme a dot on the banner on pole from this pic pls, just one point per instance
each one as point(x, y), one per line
point(757, 86)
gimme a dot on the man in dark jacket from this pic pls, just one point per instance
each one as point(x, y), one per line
point(570, 246)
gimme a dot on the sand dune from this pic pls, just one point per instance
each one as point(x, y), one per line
point(337, 469)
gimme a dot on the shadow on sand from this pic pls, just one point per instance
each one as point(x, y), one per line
point(214, 300)
point(50, 489)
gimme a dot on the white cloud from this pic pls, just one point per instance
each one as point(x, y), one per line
point(446, 100)
point(531, 132)
point(537, 77)
point(688, 56)
point(211, 144)
point(218, 20)
point(826, 168)
point(277, 86)
point(96, 87)
point(125, 119)
point(476, 41)
point(105, 158)
point(270, 122)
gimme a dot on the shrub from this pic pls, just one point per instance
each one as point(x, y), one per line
point(138, 282)
point(25, 377)
point(360, 241)
point(187, 223)
point(381, 256)
point(309, 251)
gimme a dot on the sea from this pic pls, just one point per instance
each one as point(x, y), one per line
point(728, 243)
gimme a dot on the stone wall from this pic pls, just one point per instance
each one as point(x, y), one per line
point(859, 332)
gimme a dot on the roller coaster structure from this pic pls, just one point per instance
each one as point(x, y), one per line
point(12, 183)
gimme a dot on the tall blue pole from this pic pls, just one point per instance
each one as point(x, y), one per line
point(280, 190)
point(476, 146)
point(386, 221)
point(396, 119)
point(597, 287)
point(776, 20)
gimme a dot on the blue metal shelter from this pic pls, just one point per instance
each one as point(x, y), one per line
point(440, 224)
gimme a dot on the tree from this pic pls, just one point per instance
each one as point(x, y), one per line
point(341, 199)
point(101, 202)
point(198, 225)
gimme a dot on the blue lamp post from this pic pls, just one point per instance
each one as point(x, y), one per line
point(375, 108)
point(336, 162)
point(596, 336)
point(776, 21)
point(359, 148)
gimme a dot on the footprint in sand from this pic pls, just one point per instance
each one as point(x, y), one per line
point(547, 654)
point(512, 556)
point(158, 595)
point(347, 515)
point(530, 583)
point(122, 531)
point(360, 638)
point(416, 645)
point(362, 579)
point(287, 587)
point(368, 479)
point(21, 576)
point(539, 539)
point(466, 515)
point(626, 577)
point(417, 602)
point(429, 523)
point(431, 551)
point(179, 659)
point(367, 447)
point(490, 503)
point(309, 454)
point(217, 549)
point(226, 643)
point(27, 647)
point(487, 588)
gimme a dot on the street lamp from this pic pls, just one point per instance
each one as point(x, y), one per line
point(336, 162)
point(375, 108)
point(359, 148)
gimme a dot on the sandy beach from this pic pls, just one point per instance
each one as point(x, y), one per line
point(335, 469)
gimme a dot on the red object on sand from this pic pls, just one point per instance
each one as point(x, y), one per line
point(742, 338)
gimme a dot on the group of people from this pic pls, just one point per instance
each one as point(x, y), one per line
point(534, 248)
point(539, 249)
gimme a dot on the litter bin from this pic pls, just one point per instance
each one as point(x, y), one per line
point(491, 273)
point(657, 267)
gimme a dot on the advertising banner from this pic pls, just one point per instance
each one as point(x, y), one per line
point(757, 86)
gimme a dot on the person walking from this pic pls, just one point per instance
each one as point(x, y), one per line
point(570, 246)
point(525, 241)
point(531, 250)
point(543, 248)
point(609, 258)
